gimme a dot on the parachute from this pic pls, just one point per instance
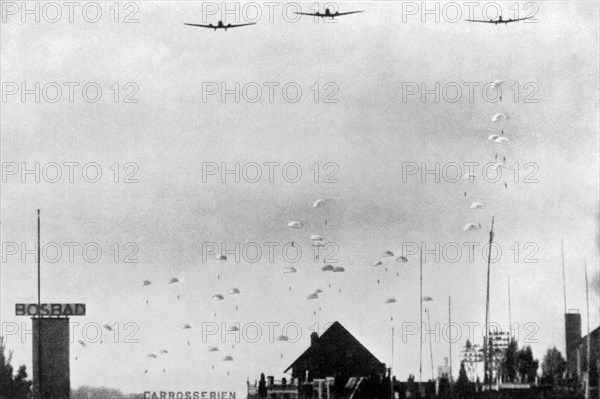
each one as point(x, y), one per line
point(151, 355)
point(228, 359)
point(502, 140)
point(163, 351)
point(295, 225)
point(387, 254)
point(217, 297)
point(427, 299)
point(316, 237)
point(402, 259)
point(186, 326)
point(390, 300)
point(476, 205)
point(469, 176)
point(318, 203)
point(339, 269)
point(233, 291)
point(471, 226)
point(313, 296)
point(327, 268)
point(146, 282)
point(290, 270)
point(222, 257)
point(377, 263)
point(213, 349)
point(232, 328)
point(493, 137)
point(499, 117)
point(282, 338)
point(174, 280)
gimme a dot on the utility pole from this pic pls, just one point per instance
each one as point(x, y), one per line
point(450, 338)
point(486, 348)
point(421, 325)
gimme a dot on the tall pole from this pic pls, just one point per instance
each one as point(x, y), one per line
point(39, 312)
point(562, 256)
point(587, 299)
point(509, 310)
point(486, 349)
point(450, 338)
point(421, 325)
point(391, 367)
point(430, 344)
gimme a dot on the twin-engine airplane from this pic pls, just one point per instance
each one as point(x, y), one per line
point(220, 25)
point(328, 13)
point(499, 20)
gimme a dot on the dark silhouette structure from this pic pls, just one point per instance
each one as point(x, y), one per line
point(336, 353)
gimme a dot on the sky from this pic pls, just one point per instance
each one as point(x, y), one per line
point(165, 131)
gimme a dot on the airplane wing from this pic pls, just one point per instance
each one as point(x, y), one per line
point(201, 26)
point(519, 19)
point(236, 26)
point(477, 20)
point(311, 14)
point(339, 14)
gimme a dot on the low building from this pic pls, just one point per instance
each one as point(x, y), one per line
point(336, 353)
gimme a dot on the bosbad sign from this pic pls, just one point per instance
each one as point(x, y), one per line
point(50, 309)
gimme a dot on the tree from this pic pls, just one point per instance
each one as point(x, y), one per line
point(14, 387)
point(508, 364)
point(553, 366)
point(526, 365)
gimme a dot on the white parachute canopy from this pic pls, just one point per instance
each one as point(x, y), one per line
point(146, 282)
point(471, 226)
point(233, 291)
point(222, 257)
point(318, 203)
point(427, 299)
point(497, 83)
point(290, 270)
point(81, 342)
point(186, 326)
point(499, 117)
point(390, 300)
point(163, 351)
point(152, 355)
point(327, 268)
point(217, 297)
point(377, 263)
point(387, 254)
point(402, 259)
point(316, 237)
point(213, 349)
point(339, 269)
point(313, 296)
point(476, 205)
point(228, 359)
point(294, 224)
point(502, 140)
point(282, 338)
point(318, 291)
point(493, 137)
point(107, 327)
point(174, 280)
point(232, 328)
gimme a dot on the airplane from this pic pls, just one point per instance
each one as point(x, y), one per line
point(328, 13)
point(220, 25)
point(499, 20)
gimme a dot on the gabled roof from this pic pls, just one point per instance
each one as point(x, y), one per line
point(336, 332)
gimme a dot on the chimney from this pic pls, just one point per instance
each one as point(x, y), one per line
point(313, 338)
point(573, 338)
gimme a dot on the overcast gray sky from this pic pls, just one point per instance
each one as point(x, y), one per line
point(368, 136)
